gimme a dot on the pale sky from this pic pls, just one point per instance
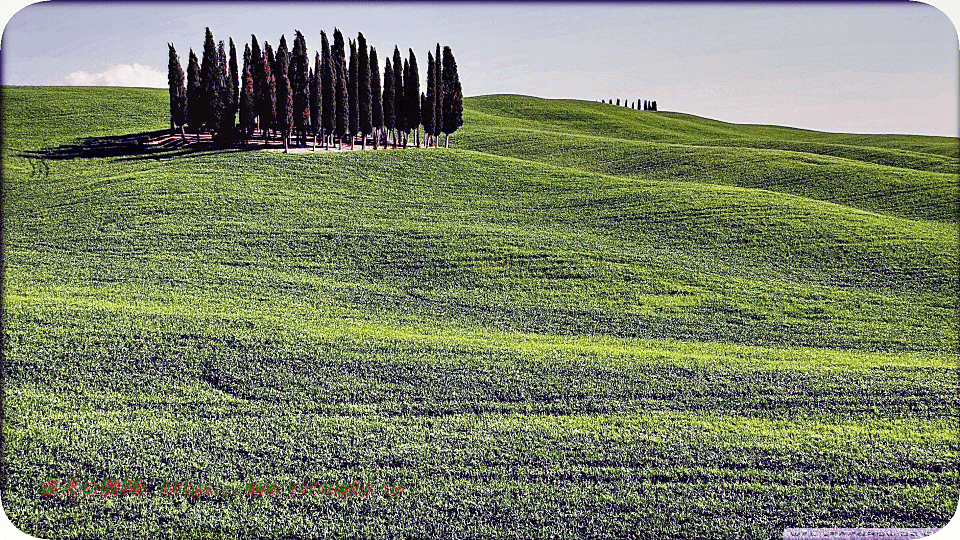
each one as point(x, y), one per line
point(856, 67)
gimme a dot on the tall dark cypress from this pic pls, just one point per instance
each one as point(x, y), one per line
point(423, 106)
point(248, 105)
point(284, 92)
point(389, 116)
point(398, 94)
point(195, 111)
point(452, 96)
point(259, 77)
point(224, 117)
point(210, 75)
point(328, 90)
point(340, 72)
point(653, 106)
point(413, 99)
point(234, 79)
point(354, 119)
point(299, 85)
point(429, 110)
point(268, 113)
point(178, 92)
point(315, 111)
point(438, 118)
point(438, 105)
point(376, 105)
point(363, 90)
point(403, 119)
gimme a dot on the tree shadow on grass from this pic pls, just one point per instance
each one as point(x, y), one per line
point(151, 145)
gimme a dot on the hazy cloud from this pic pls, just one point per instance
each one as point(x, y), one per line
point(120, 75)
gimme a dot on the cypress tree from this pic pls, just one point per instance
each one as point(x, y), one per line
point(268, 114)
point(438, 93)
point(259, 78)
point(452, 96)
point(403, 119)
point(428, 112)
point(423, 105)
point(178, 92)
point(209, 75)
point(247, 103)
point(284, 92)
point(653, 106)
point(328, 90)
point(340, 72)
point(195, 110)
point(413, 110)
point(234, 80)
point(300, 86)
point(364, 105)
point(223, 117)
point(389, 116)
point(315, 99)
point(397, 95)
point(352, 88)
point(376, 105)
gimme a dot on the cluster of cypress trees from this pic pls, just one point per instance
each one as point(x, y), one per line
point(647, 105)
point(281, 95)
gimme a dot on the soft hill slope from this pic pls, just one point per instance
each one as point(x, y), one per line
point(532, 346)
point(584, 117)
point(864, 171)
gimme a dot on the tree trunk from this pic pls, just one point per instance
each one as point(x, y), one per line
point(363, 141)
point(446, 143)
point(183, 134)
point(376, 139)
point(285, 143)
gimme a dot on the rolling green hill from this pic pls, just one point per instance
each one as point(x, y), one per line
point(581, 321)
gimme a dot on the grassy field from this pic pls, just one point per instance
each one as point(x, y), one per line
point(583, 321)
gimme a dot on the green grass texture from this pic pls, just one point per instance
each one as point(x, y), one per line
point(580, 321)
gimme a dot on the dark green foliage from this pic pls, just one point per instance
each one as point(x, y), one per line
point(212, 82)
point(178, 90)
point(195, 108)
point(300, 86)
point(398, 88)
point(352, 89)
point(428, 111)
point(452, 94)
point(284, 118)
point(268, 113)
point(653, 105)
point(248, 105)
point(259, 75)
point(328, 86)
point(376, 103)
point(340, 73)
point(413, 97)
point(403, 119)
point(364, 104)
point(223, 116)
point(234, 83)
point(389, 95)
point(438, 92)
point(315, 96)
